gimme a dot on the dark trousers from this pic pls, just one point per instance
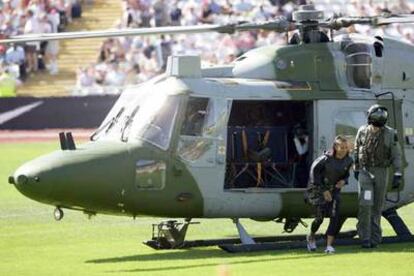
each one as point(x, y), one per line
point(331, 210)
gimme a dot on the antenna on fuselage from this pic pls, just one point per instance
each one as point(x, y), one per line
point(66, 141)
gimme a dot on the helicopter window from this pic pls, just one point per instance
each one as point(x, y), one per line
point(195, 116)
point(358, 60)
point(157, 128)
point(348, 122)
point(150, 174)
point(201, 142)
point(216, 117)
point(108, 125)
point(128, 122)
point(409, 135)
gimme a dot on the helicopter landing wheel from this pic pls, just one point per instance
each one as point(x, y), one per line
point(58, 214)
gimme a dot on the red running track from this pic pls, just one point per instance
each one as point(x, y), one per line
point(46, 135)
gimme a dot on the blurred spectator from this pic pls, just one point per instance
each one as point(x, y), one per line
point(32, 48)
point(15, 56)
point(86, 77)
point(163, 51)
point(175, 14)
point(30, 17)
point(160, 13)
point(52, 48)
point(115, 76)
point(7, 84)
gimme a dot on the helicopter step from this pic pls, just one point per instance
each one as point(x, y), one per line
point(170, 234)
point(301, 244)
point(281, 242)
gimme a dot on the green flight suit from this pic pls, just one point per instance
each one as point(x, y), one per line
point(375, 152)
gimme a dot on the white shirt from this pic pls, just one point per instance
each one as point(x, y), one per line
point(15, 55)
point(301, 148)
point(32, 27)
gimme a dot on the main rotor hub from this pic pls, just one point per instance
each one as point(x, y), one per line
point(307, 13)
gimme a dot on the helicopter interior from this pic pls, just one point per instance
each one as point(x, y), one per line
point(268, 144)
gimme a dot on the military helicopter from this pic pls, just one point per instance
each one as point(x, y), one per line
point(217, 142)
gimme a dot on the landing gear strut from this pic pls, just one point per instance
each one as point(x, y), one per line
point(169, 234)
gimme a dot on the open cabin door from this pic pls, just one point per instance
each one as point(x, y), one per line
point(339, 117)
point(408, 140)
point(395, 120)
point(267, 144)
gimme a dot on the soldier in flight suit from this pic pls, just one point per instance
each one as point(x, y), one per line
point(376, 149)
point(328, 174)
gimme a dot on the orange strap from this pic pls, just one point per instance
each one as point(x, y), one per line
point(266, 138)
point(259, 174)
point(244, 142)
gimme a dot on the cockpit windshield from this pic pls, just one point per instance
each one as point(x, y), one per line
point(113, 125)
point(147, 112)
point(155, 119)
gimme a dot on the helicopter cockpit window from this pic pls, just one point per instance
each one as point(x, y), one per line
point(195, 116)
point(347, 123)
point(202, 131)
point(358, 64)
point(155, 120)
point(108, 125)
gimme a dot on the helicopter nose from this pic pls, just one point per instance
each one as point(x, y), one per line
point(29, 180)
point(82, 178)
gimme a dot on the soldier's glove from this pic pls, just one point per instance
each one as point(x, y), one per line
point(356, 175)
point(396, 181)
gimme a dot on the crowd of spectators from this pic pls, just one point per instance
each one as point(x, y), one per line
point(130, 60)
point(18, 17)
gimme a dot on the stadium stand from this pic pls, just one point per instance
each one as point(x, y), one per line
point(122, 61)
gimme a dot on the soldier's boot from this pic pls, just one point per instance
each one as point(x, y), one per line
point(366, 244)
point(311, 243)
point(329, 250)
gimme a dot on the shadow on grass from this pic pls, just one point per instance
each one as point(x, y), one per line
point(234, 259)
point(214, 264)
point(197, 254)
point(190, 254)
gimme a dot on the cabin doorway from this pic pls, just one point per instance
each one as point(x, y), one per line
point(269, 144)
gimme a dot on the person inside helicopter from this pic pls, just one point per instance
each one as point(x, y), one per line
point(301, 153)
point(195, 116)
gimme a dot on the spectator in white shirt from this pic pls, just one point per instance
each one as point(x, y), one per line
point(15, 56)
point(32, 48)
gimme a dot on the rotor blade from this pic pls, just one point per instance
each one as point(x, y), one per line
point(395, 19)
point(280, 24)
point(344, 22)
point(118, 33)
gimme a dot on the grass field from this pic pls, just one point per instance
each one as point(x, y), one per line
point(32, 243)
